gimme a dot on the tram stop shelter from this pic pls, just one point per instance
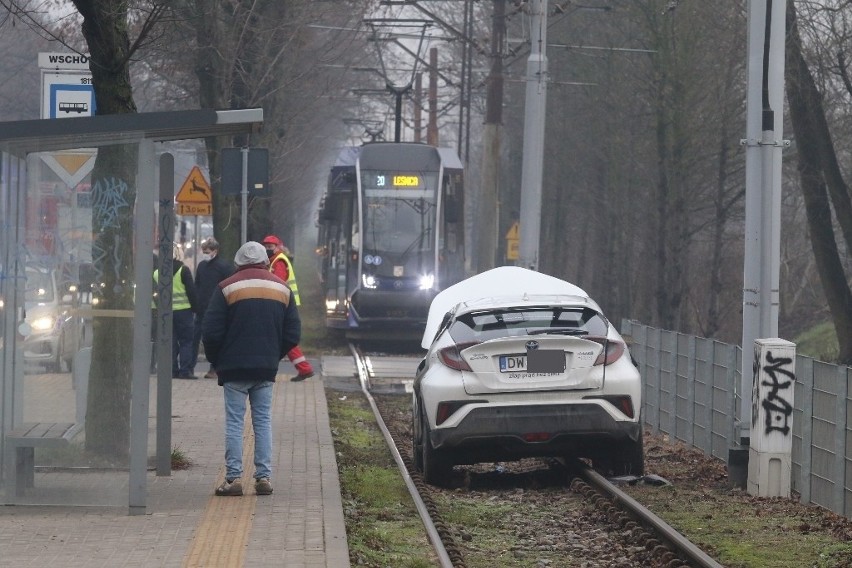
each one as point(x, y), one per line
point(78, 202)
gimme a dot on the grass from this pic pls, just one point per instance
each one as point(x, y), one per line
point(382, 525)
point(746, 533)
point(179, 459)
point(819, 342)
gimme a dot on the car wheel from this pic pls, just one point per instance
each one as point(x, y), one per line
point(417, 438)
point(436, 467)
point(627, 458)
point(55, 365)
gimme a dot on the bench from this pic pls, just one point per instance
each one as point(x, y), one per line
point(21, 444)
point(22, 441)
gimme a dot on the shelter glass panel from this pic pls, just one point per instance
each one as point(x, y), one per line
point(68, 366)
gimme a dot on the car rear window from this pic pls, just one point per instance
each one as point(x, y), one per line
point(492, 324)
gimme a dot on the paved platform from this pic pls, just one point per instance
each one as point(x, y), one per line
point(300, 525)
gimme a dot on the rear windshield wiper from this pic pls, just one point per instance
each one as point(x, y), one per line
point(558, 331)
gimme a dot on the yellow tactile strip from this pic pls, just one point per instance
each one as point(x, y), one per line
point(222, 534)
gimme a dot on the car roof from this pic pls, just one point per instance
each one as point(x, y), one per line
point(500, 287)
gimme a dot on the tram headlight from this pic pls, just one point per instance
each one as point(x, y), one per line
point(427, 281)
point(369, 281)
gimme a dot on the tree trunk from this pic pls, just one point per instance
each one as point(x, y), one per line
point(113, 197)
point(816, 152)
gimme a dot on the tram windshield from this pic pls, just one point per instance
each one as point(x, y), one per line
point(400, 221)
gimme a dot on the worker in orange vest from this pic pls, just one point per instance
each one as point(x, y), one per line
point(281, 266)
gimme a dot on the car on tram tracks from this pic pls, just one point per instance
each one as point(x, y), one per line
point(522, 364)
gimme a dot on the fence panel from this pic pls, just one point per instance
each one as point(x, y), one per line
point(691, 392)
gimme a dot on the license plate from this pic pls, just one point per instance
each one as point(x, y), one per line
point(513, 363)
point(538, 361)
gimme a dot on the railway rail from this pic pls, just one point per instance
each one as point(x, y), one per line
point(646, 538)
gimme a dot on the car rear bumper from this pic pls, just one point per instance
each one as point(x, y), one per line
point(501, 433)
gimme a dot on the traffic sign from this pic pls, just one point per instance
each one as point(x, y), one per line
point(194, 209)
point(66, 85)
point(512, 242)
point(195, 190)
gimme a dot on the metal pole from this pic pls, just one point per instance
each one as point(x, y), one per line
point(244, 197)
point(141, 377)
point(163, 325)
point(764, 131)
point(534, 120)
point(397, 131)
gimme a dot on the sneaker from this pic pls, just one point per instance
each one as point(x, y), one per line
point(302, 376)
point(211, 374)
point(233, 487)
point(189, 376)
point(262, 486)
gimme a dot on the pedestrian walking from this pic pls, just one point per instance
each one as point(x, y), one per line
point(250, 325)
point(210, 271)
point(184, 306)
point(281, 266)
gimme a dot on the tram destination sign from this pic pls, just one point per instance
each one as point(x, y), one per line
point(393, 180)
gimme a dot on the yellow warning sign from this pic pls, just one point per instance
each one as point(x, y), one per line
point(512, 239)
point(195, 190)
point(514, 232)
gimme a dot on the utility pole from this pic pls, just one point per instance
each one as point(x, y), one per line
point(763, 143)
point(418, 107)
point(489, 190)
point(432, 126)
point(534, 121)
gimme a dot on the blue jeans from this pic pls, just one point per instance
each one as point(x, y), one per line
point(183, 323)
point(196, 341)
point(259, 394)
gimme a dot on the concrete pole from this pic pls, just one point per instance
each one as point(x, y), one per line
point(764, 142)
point(418, 107)
point(534, 120)
point(432, 126)
point(487, 233)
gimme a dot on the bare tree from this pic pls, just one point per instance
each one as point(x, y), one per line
point(822, 183)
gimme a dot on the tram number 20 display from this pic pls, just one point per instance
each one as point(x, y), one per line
point(397, 181)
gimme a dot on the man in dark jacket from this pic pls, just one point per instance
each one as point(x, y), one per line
point(250, 325)
point(212, 270)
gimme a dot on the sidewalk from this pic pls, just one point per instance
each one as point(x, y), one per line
point(300, 525)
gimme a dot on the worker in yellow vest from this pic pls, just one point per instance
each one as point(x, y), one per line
point(184, 302)
point(281, 266)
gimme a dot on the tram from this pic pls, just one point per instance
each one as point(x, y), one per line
point(390, 236)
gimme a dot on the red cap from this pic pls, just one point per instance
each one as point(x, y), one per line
point(271, 240)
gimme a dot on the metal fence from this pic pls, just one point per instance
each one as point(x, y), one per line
point(691, 393)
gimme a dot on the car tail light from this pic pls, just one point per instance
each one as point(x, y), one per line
point(612, 350)
point(533, 437)
point(449, 407)
point(452, 358)
point(622, 402)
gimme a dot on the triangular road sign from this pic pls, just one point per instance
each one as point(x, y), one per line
point(195, 189)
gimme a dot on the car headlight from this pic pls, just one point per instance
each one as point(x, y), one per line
point(369, 281)
point(43, 323)
point(427, 281)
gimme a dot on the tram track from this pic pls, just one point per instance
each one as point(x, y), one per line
point(637, 535)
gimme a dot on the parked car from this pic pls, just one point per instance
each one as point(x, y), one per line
point(56, 330)
point(522, 364)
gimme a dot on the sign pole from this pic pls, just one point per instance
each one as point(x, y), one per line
point(244, 197)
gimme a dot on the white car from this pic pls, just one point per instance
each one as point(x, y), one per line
point(522, 364)
point(54, 332)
